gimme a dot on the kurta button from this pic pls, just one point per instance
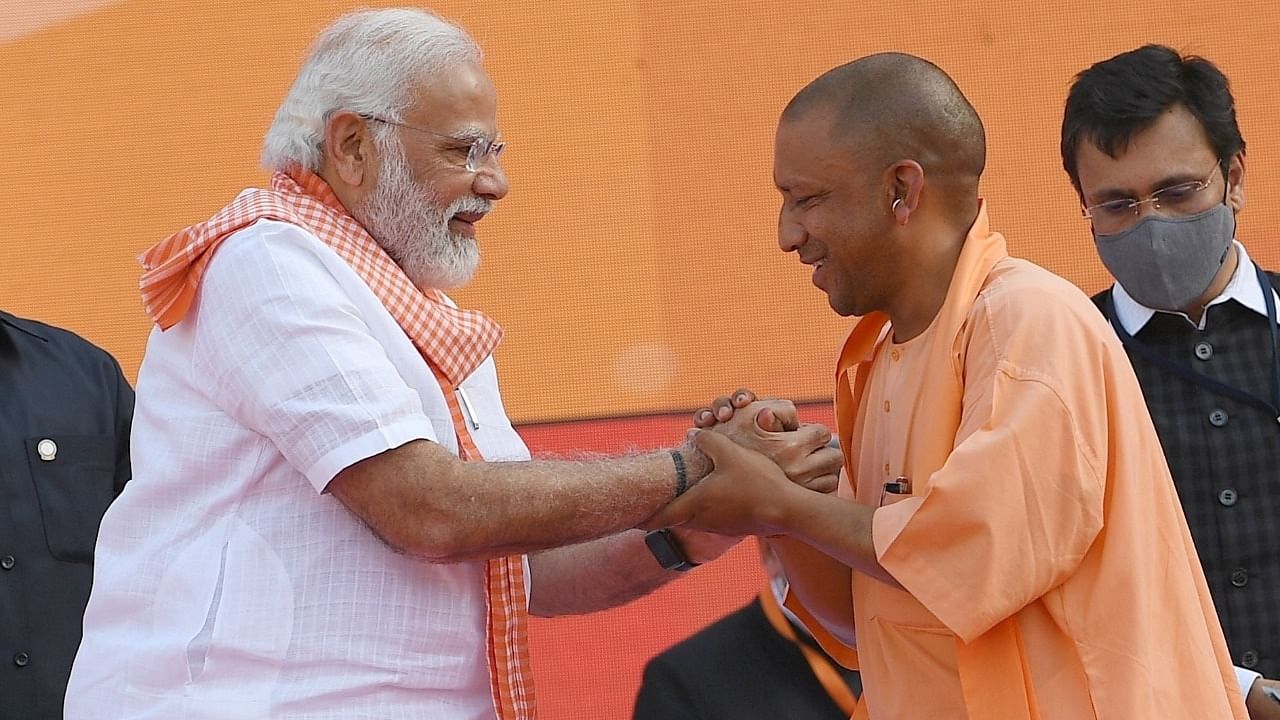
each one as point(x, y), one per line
point(1204, 350)
point(47, 449)
point(1249, 659)
point(6, 562)
point(1239, 577)
point(1218, 418)
point(21, 659)
point(1228, 497)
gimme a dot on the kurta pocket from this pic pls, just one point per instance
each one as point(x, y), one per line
point(73, 477)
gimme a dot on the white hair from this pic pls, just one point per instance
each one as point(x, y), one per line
point(369, 62)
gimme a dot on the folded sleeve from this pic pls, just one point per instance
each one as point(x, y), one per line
point(1019, 501)
point(285, 351)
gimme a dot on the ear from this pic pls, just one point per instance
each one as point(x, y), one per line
point(1235, 183)
point(906, 181)
point(348, 149)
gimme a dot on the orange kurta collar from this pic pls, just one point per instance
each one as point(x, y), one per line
point(982, 250)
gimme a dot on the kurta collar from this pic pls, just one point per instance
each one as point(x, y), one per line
point(982, 250)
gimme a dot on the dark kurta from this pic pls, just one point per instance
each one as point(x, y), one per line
point(1225, 459)
point(67, 398)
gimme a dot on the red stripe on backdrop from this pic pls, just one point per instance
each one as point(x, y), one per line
point(589, 667)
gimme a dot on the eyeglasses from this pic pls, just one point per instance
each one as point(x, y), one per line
point(477, 151)
point(1178, 200)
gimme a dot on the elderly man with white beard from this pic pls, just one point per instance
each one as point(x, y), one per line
point(304, 536)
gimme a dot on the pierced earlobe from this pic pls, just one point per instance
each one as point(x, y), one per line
point(900, 211)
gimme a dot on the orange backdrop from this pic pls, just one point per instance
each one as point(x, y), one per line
point(634, 263)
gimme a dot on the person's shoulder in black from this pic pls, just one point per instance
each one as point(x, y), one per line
point(41, 348)
point(1100, 300)
point(737, 668)
point(58, 382)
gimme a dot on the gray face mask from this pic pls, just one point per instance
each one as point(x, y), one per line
point(1167, 263)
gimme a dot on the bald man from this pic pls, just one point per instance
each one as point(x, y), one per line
point(1006, 542)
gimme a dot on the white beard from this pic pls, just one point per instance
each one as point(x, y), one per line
point(407, 221)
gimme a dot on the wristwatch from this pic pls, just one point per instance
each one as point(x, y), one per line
point(667, 551)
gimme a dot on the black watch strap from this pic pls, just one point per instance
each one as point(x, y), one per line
point(667, 551)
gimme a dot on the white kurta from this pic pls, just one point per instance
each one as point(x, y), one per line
point(227, 584)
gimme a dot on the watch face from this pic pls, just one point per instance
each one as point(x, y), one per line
point(666, 551)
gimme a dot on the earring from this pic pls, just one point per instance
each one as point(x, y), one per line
point(896, 203)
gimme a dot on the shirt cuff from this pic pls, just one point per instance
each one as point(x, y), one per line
point(1245, 678)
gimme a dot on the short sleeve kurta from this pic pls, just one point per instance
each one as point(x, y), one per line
point(235, 583)
point(1041, 532)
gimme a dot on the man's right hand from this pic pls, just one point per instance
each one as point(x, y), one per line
point(723, 408)
point(772, 428)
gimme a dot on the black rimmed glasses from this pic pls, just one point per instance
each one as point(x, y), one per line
point(1178, 200)
point(480, 147)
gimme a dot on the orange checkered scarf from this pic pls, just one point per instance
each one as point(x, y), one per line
point(454, 343)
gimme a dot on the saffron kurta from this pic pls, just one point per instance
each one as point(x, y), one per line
point(1048, 568)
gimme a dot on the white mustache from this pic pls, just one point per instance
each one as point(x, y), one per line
point(469, 204)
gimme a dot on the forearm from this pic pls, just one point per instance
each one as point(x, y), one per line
point(837, 527)
point(594, 576)
point(819, 552)
point(425, 502)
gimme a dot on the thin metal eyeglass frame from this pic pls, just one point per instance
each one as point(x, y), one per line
point(480, 147)
point(1196, 186)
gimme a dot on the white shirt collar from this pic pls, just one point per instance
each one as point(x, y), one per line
point(1243, 288)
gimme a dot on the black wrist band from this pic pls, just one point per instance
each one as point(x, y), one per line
point(667, 551)
point(682, 477)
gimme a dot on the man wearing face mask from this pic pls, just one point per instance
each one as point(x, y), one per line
point(1150, 141)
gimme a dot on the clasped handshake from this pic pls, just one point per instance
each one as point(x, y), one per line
point(759, 456)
